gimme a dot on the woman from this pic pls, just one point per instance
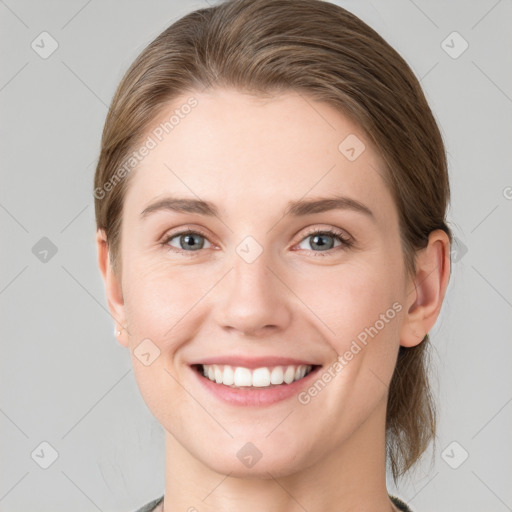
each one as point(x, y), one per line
point(270, 201)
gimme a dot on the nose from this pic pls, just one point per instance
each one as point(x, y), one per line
point(255, 301)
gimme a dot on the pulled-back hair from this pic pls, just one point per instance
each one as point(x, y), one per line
point(326, 53)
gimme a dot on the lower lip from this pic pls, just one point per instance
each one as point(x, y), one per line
point(256, 396)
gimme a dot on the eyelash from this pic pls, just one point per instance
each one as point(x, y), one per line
point(346, 243)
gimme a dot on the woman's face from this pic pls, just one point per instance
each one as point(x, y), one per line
point(252, 288)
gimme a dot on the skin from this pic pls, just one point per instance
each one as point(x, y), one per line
point(250, 156)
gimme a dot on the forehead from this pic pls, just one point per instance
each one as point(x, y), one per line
point(232, 146)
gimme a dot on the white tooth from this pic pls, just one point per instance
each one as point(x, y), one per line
point(289, 374)
point(261, 377)
point(243, 377)
point(276, 376)
point(229, 376)
point(218, 374)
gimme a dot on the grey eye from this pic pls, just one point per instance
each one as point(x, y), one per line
point(321, 241)
point(188, 241)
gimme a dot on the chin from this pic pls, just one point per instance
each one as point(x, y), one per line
point(261, 470)
point(261, 459)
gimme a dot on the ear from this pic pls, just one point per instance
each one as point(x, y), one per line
point(112, 287)
point(426, 291)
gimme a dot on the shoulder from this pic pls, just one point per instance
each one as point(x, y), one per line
point(152, 505)
point(400, 504)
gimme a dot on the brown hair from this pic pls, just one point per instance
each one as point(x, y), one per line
point(322, 50)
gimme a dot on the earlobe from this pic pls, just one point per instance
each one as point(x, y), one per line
point(113, 288)
point(425, 298)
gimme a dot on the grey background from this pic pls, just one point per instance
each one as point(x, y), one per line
point(64, 378)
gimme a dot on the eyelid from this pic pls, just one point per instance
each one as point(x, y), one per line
point(346, 240)
point(183, 230)
point(329, 230)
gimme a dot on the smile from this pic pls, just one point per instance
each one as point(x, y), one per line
point(257, 386)
point(241, 377)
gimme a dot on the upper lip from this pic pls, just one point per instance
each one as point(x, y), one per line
point(253, 362)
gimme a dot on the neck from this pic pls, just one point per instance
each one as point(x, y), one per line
point(351, 479)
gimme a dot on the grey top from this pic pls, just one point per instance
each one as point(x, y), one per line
point(156, 505)
point(152, 506)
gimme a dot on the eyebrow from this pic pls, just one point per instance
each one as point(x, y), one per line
point(297, 208)
point(325, 204)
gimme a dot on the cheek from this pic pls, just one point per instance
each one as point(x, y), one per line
point(362, 307)
point(165, 305)
point(158, 301)
point(349, 299)
point(366, 308)
point(157, 296)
